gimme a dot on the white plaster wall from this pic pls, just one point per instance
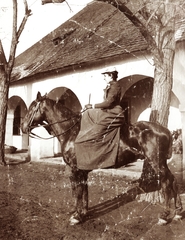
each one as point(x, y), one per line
point(138, 65)
point(23, 91)
point(179, 76)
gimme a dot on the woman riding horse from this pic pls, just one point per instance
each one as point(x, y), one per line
point(100, 127)
point(96, 145)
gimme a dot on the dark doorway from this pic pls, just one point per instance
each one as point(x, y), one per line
point(17, 120)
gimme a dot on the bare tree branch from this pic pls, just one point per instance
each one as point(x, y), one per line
point(152, 15)
point(16, 34)
point(27, 14)
point(14, 39)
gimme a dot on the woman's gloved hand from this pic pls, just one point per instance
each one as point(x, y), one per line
point(88, 106)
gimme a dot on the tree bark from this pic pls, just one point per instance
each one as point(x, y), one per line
point(163, 74)
point(4, 86)
point(162, 90)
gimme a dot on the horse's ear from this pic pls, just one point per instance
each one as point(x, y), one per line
point(39, 96)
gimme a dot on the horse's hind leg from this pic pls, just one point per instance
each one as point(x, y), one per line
point(169, 187)
point(167, 197)
point(166, 185)
point(177, 201)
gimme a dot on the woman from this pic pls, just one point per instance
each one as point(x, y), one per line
point(97, 143)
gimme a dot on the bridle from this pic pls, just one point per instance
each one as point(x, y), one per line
point(30, 128)
point(33, 115)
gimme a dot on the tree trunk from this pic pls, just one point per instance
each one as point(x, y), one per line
point(4, 86)
point(163, 55)
point(161, 97)
point(163, 80)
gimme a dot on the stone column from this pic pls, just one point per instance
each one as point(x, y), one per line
point(9, 128)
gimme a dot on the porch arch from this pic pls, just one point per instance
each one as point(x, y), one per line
point(67, 97)
point(70, 100)
point(137, 91)
point(15, 113)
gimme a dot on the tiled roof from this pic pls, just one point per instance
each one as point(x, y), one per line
point(96, 33)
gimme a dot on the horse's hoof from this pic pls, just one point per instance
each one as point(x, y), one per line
point(75, 219)
point(162, 222)
point(177, 217)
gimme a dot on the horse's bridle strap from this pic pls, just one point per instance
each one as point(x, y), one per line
point(33, 115)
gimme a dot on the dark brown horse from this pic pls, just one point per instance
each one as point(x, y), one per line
point(65, 125)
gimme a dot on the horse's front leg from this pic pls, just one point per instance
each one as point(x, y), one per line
point(85, 197)
point(77, 180)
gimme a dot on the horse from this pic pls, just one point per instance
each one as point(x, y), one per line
point(65, 125)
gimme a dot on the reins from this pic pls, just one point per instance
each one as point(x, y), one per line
point(33, 135)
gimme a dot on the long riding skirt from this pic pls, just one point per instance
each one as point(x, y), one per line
point(97, 143)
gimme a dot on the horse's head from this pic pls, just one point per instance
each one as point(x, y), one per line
point(35, 114)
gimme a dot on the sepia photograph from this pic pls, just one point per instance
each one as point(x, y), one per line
point(92, 118)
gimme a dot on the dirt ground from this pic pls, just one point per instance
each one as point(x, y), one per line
point(35, 201)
